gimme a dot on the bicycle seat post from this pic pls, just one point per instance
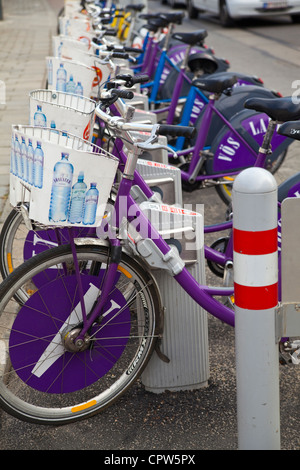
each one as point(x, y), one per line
point(168, 36)
point(186, 56)
point(265, 147)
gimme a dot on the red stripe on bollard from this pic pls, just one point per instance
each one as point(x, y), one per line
point(256, 298)
point(255, 243)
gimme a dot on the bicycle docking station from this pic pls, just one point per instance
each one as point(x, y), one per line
point(261, 321)
point(162, 179)
point(184, 342)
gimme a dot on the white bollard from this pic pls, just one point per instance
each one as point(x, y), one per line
point(255, 261)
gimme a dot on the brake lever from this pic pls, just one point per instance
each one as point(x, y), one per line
point(150, 144)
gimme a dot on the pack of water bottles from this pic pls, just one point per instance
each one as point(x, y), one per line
point(73, 77)
point(65, 180)
point(65, 111)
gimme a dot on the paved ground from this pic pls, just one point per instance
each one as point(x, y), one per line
point(194, 420)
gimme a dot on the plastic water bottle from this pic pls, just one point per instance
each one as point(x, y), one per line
point(50, 72)
point(59, 49)
point(61, 189)
point(30, 162)
point(71, 85)
point(23, 149)
point(77, 200)
point(13, 167)
point(67, 27)
point(90, 205)
point(38, 166)
point(53, 127)
point(61, 78)
point(18, 158)
point(39, 118)
point(79, 89)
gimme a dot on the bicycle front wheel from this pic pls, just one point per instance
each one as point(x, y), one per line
point(42, 379)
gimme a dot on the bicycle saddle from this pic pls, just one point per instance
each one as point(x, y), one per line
point(215, 85)
point(133, 7)
point(278, 109)
point(175, 18)
point(290, 129)
point(155, 24)
point(148, 16)
point(191, 38)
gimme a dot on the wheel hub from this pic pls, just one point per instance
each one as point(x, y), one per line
point(71, 344)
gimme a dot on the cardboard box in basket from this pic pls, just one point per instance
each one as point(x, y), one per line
point(59, 41)
point(66, 180)
point(66, 75)
point(64, 111)
point(67, 51)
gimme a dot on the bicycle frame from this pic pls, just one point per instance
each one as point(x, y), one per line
point(126, 207)
point(197, 159)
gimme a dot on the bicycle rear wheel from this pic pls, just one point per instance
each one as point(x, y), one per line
point(42, 379)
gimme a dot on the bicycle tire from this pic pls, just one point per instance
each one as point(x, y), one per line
point(11, 225)
point(72, 386)
point(18, 243)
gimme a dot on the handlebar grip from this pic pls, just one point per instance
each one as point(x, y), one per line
point(110, 32)
point(120, 55)
point(142, 78)
point(126, 94)
point(134, 50)
point(177, 131)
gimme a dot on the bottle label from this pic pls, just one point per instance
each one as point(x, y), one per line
point(91, 200)
point(38, 159)
point(78, 193)
point(62, 180)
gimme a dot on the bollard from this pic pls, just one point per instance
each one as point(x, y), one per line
point(255, 261)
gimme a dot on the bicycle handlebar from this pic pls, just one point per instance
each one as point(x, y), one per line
point(119, 48)
point(177, 131)
point(120, 55)
point(132, 80)
point(119, 123)
point(126, 94)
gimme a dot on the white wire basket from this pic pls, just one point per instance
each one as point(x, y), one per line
point(46, 167)
point(65, 111)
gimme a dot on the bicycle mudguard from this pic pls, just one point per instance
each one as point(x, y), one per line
point(289, 188)
point(228, 106)
point(176, 55)
point(169, 74)
point(230, 154)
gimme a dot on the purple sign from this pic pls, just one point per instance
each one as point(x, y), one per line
point(42, 325)
point(231, 154)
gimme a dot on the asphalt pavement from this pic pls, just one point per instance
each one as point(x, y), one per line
point(184, 421)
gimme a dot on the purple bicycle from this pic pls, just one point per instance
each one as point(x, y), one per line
point(91, 311)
